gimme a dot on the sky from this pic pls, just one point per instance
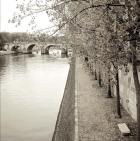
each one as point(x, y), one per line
point(8, 7)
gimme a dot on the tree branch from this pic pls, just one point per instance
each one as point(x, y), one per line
point(53, 7)
point(93, 6)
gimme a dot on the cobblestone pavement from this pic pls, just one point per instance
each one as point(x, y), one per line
point(97, 120)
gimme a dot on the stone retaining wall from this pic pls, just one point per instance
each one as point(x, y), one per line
point(65, 124)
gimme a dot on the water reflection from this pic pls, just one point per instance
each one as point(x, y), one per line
point(31, 91)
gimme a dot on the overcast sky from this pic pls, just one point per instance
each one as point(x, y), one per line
point(8, 7)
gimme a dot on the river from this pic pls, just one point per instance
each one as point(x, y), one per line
point(31, 90)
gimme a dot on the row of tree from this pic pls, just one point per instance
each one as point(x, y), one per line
point(107, 31)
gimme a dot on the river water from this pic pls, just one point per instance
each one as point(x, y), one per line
point(31, 90)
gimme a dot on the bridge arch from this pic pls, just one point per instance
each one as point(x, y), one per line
point(56, 46)
point(47, 48)
point(15, 48)
point(30, 47)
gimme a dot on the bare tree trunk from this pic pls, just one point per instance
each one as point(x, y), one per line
point(100, 81)
point(109, 84)
point(109, 89)
point(118, 95)
point(137, 86)
point(134, 59)
point(95, 74)
point(135, 73)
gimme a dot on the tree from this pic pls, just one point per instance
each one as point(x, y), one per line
point(134, 33)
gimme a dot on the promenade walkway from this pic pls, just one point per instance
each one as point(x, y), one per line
point(97, 120)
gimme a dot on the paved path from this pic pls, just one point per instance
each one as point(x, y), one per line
point(97, 119)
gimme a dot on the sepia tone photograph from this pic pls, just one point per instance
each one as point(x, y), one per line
point(69, 70)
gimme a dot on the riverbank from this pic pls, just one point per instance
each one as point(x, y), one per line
point(9, 52)
point(65, 124)
point(96, 119)
point(5, 52)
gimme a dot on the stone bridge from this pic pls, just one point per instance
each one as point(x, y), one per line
point(25, 47)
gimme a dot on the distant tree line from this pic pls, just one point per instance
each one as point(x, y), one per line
point(6, 37)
